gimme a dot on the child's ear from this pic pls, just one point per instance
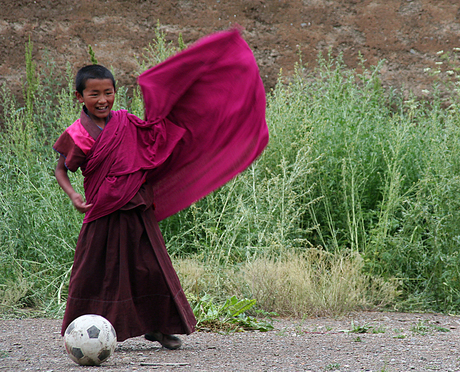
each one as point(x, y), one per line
point(79, 97)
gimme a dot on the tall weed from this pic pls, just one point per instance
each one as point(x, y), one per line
point(38, 227)
point(387, 175)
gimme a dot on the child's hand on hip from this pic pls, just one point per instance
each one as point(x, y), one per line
point(80, 204)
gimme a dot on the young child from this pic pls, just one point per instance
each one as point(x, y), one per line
point(204, 123)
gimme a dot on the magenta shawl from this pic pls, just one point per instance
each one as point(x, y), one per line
point(204, 124)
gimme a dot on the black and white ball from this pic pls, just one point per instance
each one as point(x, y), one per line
point(90, 340)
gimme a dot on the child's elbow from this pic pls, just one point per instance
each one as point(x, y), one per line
point(61, 168)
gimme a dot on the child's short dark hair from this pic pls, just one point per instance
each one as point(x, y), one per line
point(91, 72)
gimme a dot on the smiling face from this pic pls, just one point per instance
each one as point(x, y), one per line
point(98, 97)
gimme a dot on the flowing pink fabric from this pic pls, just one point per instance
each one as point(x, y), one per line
point(204, 124)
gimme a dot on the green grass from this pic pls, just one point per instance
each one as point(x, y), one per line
point(424, 328)
point(366, 328)
point(355, 328)
point(353, 205)
point(333, 366)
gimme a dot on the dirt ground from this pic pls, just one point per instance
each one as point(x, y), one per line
point(406, 33)
point(389, 342)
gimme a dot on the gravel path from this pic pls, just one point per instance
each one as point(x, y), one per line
point(387, 342)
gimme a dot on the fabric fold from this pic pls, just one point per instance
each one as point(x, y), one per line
point(215, 93)
point(117, 164)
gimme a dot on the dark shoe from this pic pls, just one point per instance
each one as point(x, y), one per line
point(168, 341)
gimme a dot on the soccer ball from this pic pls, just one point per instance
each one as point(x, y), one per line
point(90, 340)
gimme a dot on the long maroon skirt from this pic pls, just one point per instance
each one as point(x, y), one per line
point(123, 272)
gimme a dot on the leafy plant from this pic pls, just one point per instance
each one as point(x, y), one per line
point(92, 55)
point(366, 328)
point(377, 330)
point(230, 316)
point(355, 328)
point(439, 328)
point(333, 366)
point(422, 328)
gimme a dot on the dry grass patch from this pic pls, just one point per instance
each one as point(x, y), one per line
point(315, 283)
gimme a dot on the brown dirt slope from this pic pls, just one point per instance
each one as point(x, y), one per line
point(407, 33)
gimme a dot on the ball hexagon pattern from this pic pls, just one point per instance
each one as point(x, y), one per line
point(90, 340)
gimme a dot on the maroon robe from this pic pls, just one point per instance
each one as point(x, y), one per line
point(121, 269)
point(204, 123)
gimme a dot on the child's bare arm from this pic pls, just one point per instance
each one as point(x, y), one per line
point(63, 181)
